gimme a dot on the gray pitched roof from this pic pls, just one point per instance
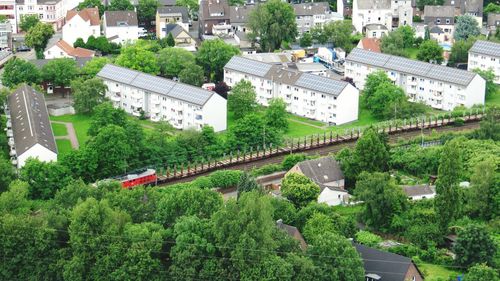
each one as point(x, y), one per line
point(373, 4)
point(439, 11)
point(173, 28)
point(286, 76)
point(389, 266)
point(375, 26)
point(412, 67)
point(175, 10)
point(321, 170)
point(30, 120)
point(488, 48)
point(311, 9)
point(155, 84)
point(120, 18)
point(239, 14)
point(416, 190)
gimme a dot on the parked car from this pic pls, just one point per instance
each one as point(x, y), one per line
point(23, 48)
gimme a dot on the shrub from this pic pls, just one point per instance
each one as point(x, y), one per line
point(267, 169)
point(459, 122)
point(290, 160)
point(203, 183)
point(225, 178)
point(367, 238)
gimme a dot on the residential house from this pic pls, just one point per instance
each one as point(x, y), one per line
point(182, 38)
point(418, 192)
point(81, 24)
point(315, 14)
point(5, 35)
point(440, 20)
point(238, 17)
point(375, 30)
point(61, 49)
point(385, 266)
point(326, 173)
point(312, 96)
point(171, 15)
point(213, 18)
point(370, 44)
point(293, 232)
point(120, 26)
point(344, 7)
point(485, 55)
point(438, 86)
point(493, 22)
point(28, 127)
point(467, 7)
point(182, 105)
point(390, 13)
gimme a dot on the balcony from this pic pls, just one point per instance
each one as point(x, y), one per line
point(10, 133)
point(115, 98)
point(9, 124)
point(11, 142)
point(12, 152)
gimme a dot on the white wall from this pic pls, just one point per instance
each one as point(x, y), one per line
point(37, 151)
point(350, 97)
point(78, 28)
point(485, 62)
point(420, 197)
point(215, 113)
point(55, 52)
point(361, 18)
point(331, 197)
point(125, 33)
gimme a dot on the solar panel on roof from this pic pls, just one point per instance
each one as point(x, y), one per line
point(321, 84)
point(116, 73)
point(486, 47)
point(153, 84)
point(248, 66)
point(407, 65)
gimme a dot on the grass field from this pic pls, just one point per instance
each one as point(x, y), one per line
point(63, 146)
point(436, 272)
point(81, 123)
point(495, 98)
point(59, 129)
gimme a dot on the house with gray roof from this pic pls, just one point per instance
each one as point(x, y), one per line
point(309, 15)
point(181, 37)
point(440, 20)
point(160, 99)
point(316, 97)
point(467, 7)
point(171, 15)
point(438, 86)
point(214, 18)
point(485, 55)
point(120, 26)
point(28, 127)
point(419, 191)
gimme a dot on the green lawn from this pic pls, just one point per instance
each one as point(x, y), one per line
point(63, 146)
point(436, 272)
point(81, 123)
point(348, 210)
point(495, 98)
point(59, 129)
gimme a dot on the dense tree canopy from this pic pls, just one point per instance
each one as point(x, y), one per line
point(465, 27)
point(60, 71)
point(87, 94)
point(192, 74)
point(213, 56)
point(430, 51)
point(174, 60)
point(474, 246)
point(242, 99)
point(28, 21)
point(38, 36)
point(299, 189)
point(276, 115)
point(138, 57)
point(146, 11)
point(336, 32)
point(120, 5)
point(17, 71)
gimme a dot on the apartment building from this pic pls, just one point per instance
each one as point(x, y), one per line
point(5, 35)
point(309, 15)
point(485, 55)
point(440, 20)
point(81, 24)
point(160, 99)
point(438, 86)
point(8, 9)
point(171, 15)
point(48, 11)
point(312, 96)
point(391, 13)
point(214, 18)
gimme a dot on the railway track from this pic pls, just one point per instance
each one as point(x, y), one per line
point(320, 149)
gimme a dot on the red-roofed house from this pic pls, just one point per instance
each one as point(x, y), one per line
point(370, 44)
point(64, 50)
point(81, 24)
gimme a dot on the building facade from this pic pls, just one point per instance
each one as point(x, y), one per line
point(316, 14)
point(391, 13)
point(160, 99)
point(440, 21)
point(120, 26)
point(312, 96)
point(438, 86)
point(81, 24)
point(5, 35)
point(214, 18)
point(62, 49)
point(171, 15)
point(485, 55)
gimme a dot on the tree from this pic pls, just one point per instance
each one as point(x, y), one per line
point(7, 174)
point(38, 36)
point(105, 114)
point(299, 189)
point(373, 80)
point(60, 71)
point(138, 57)
point(474, 245)
point(465, 27)
point(338, 33)
point(387, 101)
point(250, 132)
point(80, 43)
point(192, 75)
point(325, 252)
point(120, 5)
point(170, 41)
point(146, 11)
point(192, 5)
point(306, 40)
point(247, 183)
point(28, 21)
point(490, 125)
point(481, 272)
point(394, 43)
point(92, 4)
point(460, 51)
point(88, 94)
point(316, 225)
point(92, 67)
point(241, 100)
point(222, 88)
point(291, 160)
point(272, 23)
point(367, 238)
point(430, 51)
point(213, 55)
point(276, 115)
point(408, 35)
point(489, 77)
point(17, 71)
point(44, 179)
point(174, 60)
point(492, 8)
point(383, 199)
point(447, 202)
point(485, 190)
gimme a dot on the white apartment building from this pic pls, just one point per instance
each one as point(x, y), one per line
point(8, 9)
point(391, 13)
point(312, 96)
point(309, 15)
point(438, 86)
point(485, 55)
point(161, 99)
point(81, 24)
point(120, 26)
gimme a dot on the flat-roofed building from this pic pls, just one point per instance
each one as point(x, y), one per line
point(485, 55)
point(312, 96)
point(438, 86)
point(28, 127)
point(161, 99)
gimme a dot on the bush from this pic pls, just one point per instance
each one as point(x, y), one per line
point(459, 122)
point(290, 160)
point(267, 169)
point(203, 183)
point(367, 238)
point(225, 178)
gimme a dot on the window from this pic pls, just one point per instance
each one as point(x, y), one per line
point(447, 21)
point(438, 21)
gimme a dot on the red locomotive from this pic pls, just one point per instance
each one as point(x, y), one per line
point(141, 177)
